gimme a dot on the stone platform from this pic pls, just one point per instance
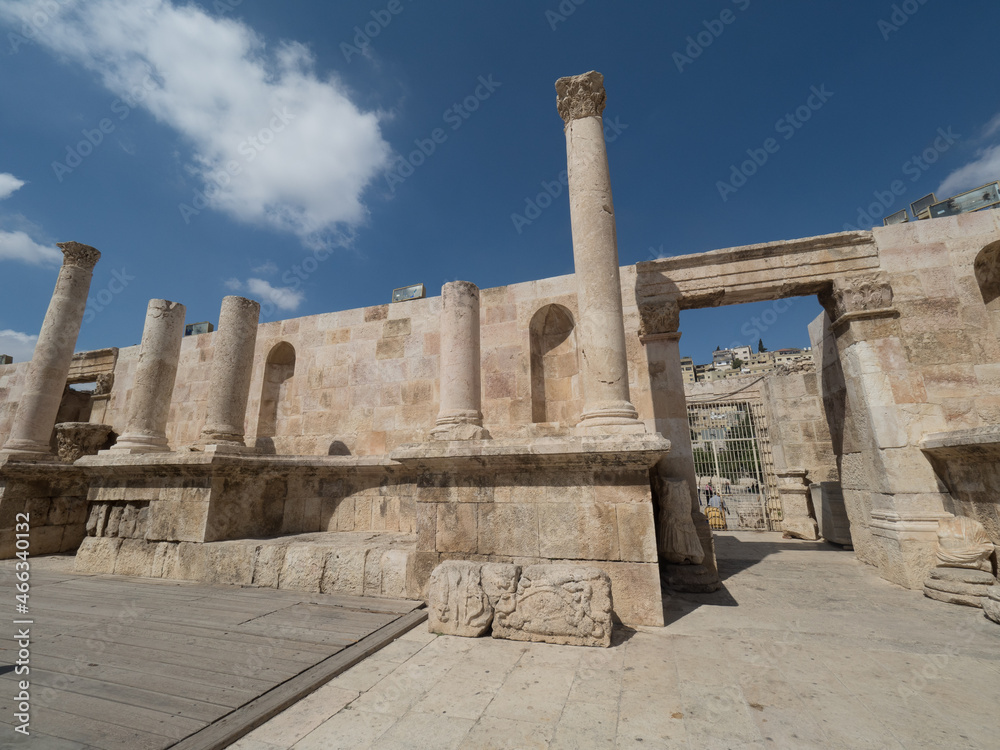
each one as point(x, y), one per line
point(350, 563)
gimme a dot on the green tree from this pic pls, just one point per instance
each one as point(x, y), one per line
point(737, 363)
point(760, 346)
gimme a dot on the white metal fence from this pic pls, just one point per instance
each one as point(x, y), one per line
point(737, 486)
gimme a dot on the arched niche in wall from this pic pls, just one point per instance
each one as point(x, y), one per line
point(987, 269)
point(555, 367)
point(278, 373)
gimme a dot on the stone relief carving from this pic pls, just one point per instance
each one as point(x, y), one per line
point(105, 382)
point(861, 294)
point(964, 543)
point(77, 439)
point(458, 605)
point(658, 317)
point(678, 537)
point(564, 604)
point(580, 96)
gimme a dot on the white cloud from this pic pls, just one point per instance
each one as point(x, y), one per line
point(18, 345)
point(284, 298)
point(19, 246)
point(218, 84)
point(9, 185)
point(266, 269)
point(233, 285)
point(992, 127)
point(985, 168)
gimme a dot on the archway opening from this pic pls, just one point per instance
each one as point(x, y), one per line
point(555, 367)
point(278, 373)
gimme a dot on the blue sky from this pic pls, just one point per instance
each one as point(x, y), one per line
point(316, 155)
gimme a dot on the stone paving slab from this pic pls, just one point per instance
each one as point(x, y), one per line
point(804, 648)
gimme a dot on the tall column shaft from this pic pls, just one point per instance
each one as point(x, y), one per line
point(159, 354)
point(460, 416)
point(232, 369)
point(46, 380)
point(604, 363)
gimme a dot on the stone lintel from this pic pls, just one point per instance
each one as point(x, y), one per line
point(581, 452)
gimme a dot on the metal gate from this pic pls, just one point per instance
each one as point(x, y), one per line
point(737, 486)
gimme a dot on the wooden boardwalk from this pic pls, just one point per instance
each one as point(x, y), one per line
point(144, 664)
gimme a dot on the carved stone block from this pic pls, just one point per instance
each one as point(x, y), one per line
point(456, 600)
point(563, 604)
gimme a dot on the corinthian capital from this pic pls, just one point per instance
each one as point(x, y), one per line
point(861, 294)
point(580, 96)
point(78, 254)
point(656, 318)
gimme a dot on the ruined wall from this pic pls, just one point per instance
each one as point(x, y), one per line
point(11, 385)
point(920, 354)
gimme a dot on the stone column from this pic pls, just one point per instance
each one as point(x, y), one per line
point(607, 406)
point(232, 369)
point(658, 324)
point(149, 406)
point(460, 416)
point(36, 413)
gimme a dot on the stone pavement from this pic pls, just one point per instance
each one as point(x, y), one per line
point(804, 648)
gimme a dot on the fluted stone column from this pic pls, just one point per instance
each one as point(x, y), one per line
point(159, 354)
point(232, 369)
point(46, 380)
point(460, 416)
point(607, 407)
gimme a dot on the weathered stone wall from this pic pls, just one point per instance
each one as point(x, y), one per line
point(11, 385)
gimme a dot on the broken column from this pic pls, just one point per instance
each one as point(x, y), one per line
point(232, 369)
point(43, 391)
point(607, 406)
point(460, 416)
point(159, 354)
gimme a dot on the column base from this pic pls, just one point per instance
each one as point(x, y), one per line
point(611, 419)
point(459, 431)
point(136, 444)
point(226, 449)
point(28, 449)
point(689, 579)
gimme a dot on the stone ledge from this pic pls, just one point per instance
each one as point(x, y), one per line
point(978, 443)
point(618, 451)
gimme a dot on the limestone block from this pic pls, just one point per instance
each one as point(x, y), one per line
point(135, 558)
point(457, 602)
point(456, 528)
point(229, 562)
point(72, 536)
point(97, 555)
point(303, 568)
point(563, 604)
point(191, 561)
point(500, 581)
point(567, 531)
point(165, 561)
point(268, 565)
point(344, 573)
point(508, 529)
point(46, 539)
point(394, 565)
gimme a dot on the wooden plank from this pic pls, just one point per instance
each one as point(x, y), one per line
point(193, 647)
point(233, 635)
point(117, 714)
point(134, 678)
point(139, 662)
point(93, 733)
point(244, 720)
